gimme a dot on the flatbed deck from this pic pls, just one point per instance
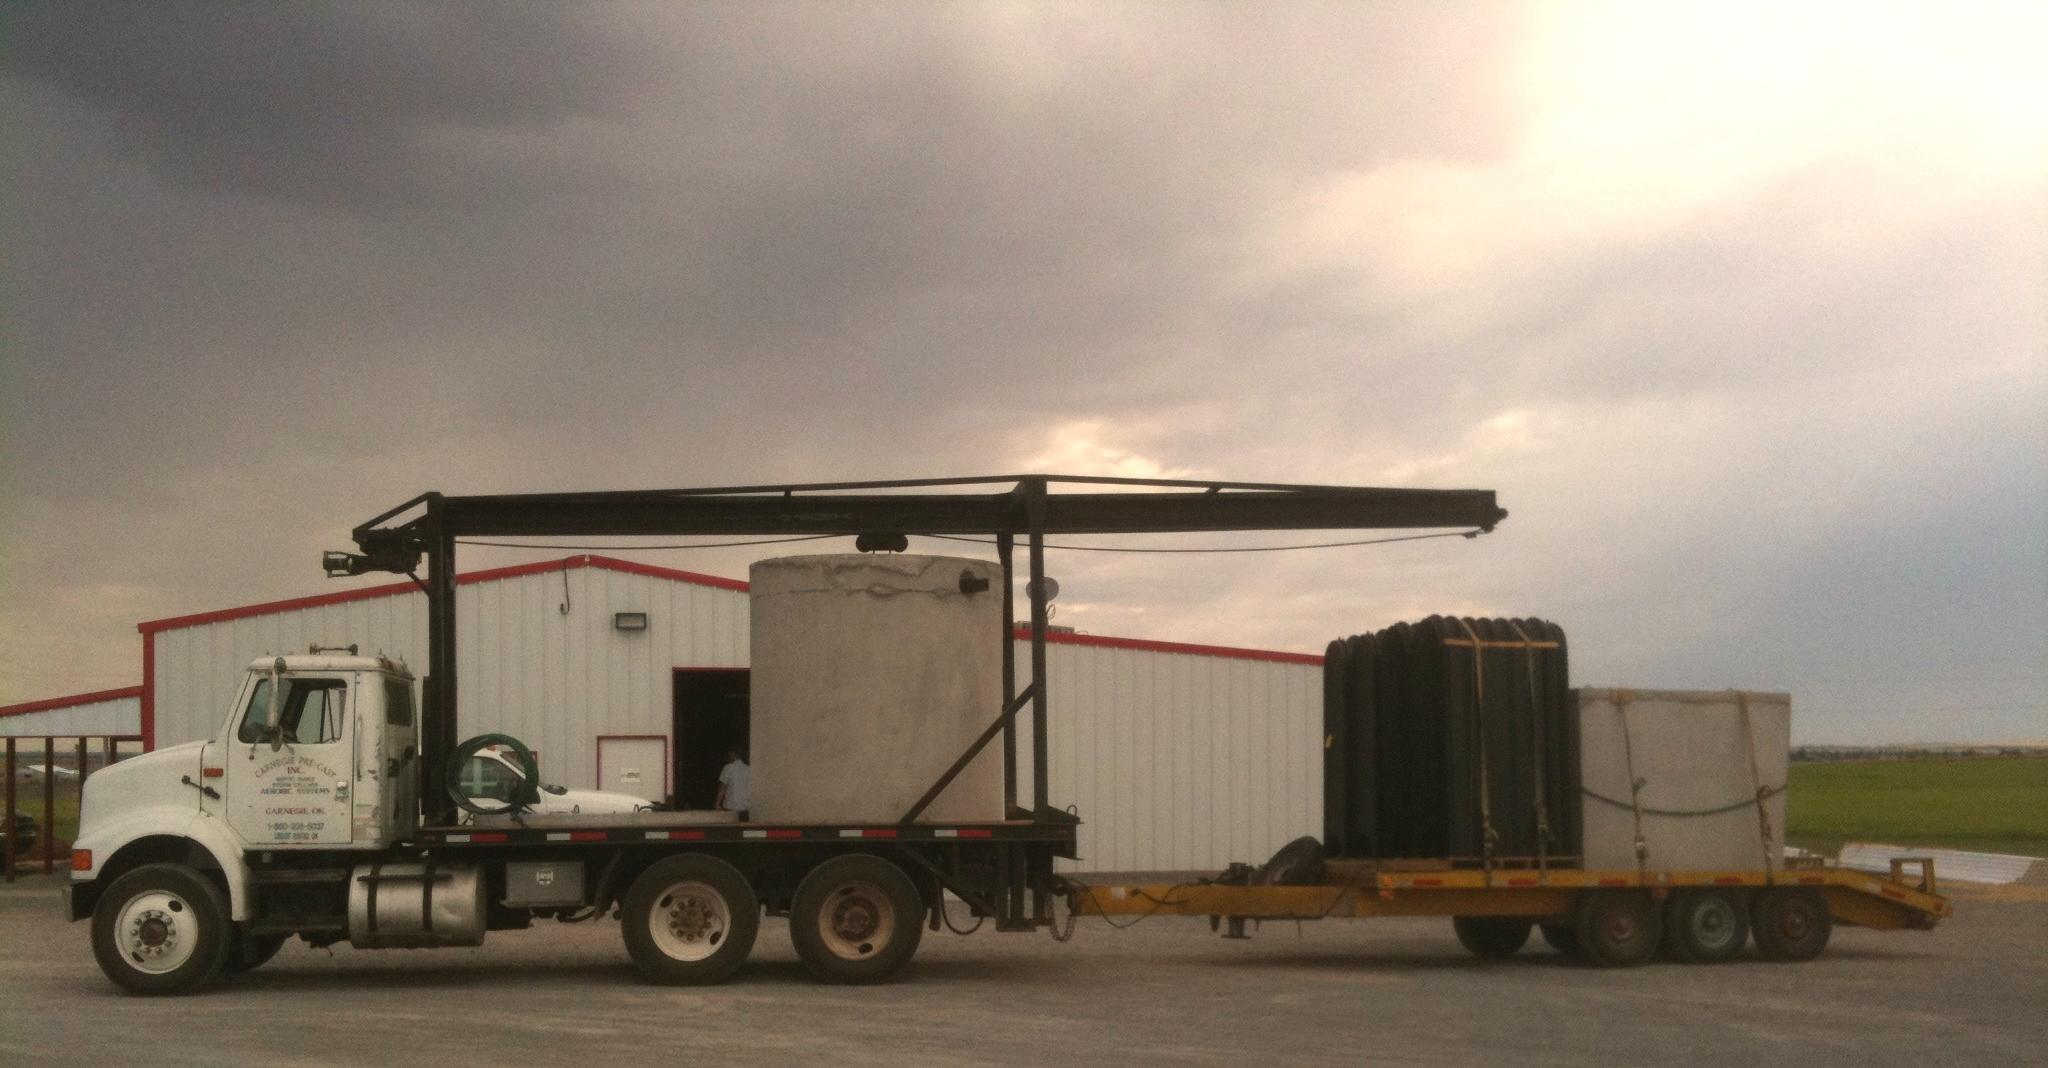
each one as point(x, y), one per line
point(1853, 897)
point(636, 827)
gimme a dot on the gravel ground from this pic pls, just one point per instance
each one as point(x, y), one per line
point(1971, 992)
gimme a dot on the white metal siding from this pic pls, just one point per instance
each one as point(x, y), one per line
point(556, 680)
point(1178, 761)
point(118, 715)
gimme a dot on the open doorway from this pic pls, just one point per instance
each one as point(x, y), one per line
point(710, 720)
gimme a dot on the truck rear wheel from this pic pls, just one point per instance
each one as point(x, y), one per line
point(1492, 937)
point(1617, 928)
point(161, 929)
point(1790, 923)
point(690, 920)
point(1705, 926)
point(856, 919)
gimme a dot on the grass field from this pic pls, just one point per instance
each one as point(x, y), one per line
point(1989, 804)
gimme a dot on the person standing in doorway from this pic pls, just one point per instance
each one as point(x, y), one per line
point(732, 784)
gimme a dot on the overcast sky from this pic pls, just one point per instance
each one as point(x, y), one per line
point(1742, 311)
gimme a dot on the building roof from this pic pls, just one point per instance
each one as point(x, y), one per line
point(633, 567)
point(48, 703)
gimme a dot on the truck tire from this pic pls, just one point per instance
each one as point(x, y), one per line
point(690, 921)
point(1562, 938)
point(1790, 923)
point(1492, 937)
point(1705, 926)
point(1617, 928)
point(856, 919)
point(246, 953)
point(161, 929)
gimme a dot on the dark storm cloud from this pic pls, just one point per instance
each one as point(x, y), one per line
point(274, 267)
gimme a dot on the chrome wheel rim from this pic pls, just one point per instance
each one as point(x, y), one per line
point(157, 931)
point(689, 921)
point(857, 921)
point(1713, 924)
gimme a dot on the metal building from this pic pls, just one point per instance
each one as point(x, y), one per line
point(631, 677)
point(102, 713)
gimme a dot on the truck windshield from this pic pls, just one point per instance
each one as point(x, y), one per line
point(311, 712)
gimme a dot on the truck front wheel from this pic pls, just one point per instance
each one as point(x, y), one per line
point(856, 919)
point(161, 929)
point(690, 921)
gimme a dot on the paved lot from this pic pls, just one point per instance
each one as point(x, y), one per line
point(1168, 991)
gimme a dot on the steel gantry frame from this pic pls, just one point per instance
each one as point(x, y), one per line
point(428, 526)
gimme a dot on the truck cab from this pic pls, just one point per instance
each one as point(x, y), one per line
point(316, 754)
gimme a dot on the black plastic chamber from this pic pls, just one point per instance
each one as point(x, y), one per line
point(1451, 738)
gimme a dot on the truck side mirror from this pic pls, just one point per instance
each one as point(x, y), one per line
point(271, 716)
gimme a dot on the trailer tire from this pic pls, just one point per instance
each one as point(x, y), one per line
point(1705, 926)
point(1790, 923)
point(249, 952)
point(1563, 938)
point(1617, 928)
point(856, 919)
point(1492, 937)
point(161, 929)
point(690, 921)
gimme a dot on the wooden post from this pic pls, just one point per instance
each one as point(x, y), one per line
point(9, 847)
point(49, 804)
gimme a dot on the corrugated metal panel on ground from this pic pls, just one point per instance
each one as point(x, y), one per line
point(1996, 869)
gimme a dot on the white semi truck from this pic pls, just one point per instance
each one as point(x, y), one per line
point(322, 806)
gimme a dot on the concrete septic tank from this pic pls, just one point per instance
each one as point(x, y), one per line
point(1692, 751)
point(871, 675)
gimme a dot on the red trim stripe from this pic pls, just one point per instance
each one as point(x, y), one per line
point(686, 836)
point(487, 837)
point(148, 692)
point(72, 701)
point(1429, 882)
point(879, 832)
point(1521, 882)
point(587, 836)
point(782, 832)
point(976, 832)
point(1614, 882)
point(393, 589)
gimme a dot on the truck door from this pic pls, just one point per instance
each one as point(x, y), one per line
point(293, 788)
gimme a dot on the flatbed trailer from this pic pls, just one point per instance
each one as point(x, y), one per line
point(1613, 918)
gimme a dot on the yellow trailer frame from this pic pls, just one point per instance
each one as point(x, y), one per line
point(1360, 889)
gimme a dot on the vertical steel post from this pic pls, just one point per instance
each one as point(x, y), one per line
point(49, 804)
point(1034, 511)
point(9, 847)
point(1004, 545)
point(437, 740)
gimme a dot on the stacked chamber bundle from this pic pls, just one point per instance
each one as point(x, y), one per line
point(1451, 738)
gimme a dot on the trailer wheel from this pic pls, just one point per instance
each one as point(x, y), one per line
point(161, 929)
point(1492, 937)
point(690, 921)
point(1562, 938)
point(1790, 923)
point(856, 919)
point(1705, 926)
point(1617, 928)
point(247, 952)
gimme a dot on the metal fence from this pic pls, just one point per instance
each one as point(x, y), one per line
point(43, 778)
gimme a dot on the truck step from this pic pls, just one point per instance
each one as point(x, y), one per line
point(280, 876)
